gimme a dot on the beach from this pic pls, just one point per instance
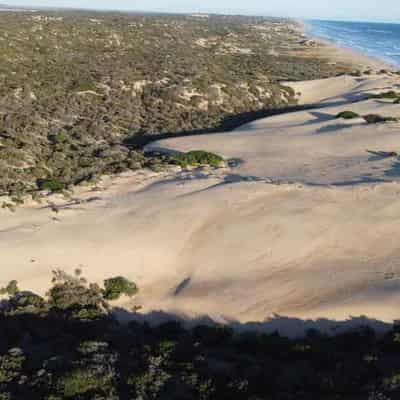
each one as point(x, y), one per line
point(301, 222)
point(374, 39)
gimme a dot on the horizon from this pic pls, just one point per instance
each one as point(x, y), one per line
point(274, 10)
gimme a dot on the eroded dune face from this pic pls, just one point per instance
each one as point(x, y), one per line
point(306, 225)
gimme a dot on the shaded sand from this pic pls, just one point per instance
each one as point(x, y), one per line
point(304, 223)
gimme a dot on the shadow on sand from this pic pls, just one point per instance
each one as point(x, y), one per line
point(286, 326)
point(227, 124)
point(394, 171)
point(232, 122)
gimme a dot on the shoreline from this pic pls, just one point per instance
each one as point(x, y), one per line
point(345, 54)
point(358, 54)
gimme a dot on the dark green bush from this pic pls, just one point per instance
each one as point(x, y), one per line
point(347, 115)
point(53, 185)
point(376, 119)
point(115, 287)
point(198, 157)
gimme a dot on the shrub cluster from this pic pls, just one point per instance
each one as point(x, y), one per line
point(80, 91)
point(48, 350)
point(369, 118)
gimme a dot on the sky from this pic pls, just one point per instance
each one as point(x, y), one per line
point(356, 10)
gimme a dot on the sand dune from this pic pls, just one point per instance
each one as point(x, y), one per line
point(306, 223)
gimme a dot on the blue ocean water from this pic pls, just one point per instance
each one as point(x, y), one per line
point(379, 40)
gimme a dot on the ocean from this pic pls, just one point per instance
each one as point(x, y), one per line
point(379, 40)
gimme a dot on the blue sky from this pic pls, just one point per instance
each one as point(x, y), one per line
point(383, 10)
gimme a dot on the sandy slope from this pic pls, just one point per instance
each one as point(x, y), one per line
point(305, 224)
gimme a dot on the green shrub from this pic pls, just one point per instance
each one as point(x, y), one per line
point(115, 287)
point(11, 289)
point(73, 294)
point(53, 185)
point(376, 119)
point(347, 115)
point(81, 381)
point(198, 157)
point(10, 367)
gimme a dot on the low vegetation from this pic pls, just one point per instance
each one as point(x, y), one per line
point(369, 118)
point(197, 158)
point(51, 185)
point(376, 119)
point(68, 345)
point(348, 115)
point(11, 288)
point(115, 287)
point(80, 91)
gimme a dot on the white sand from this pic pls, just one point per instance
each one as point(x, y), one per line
point(306, 225)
